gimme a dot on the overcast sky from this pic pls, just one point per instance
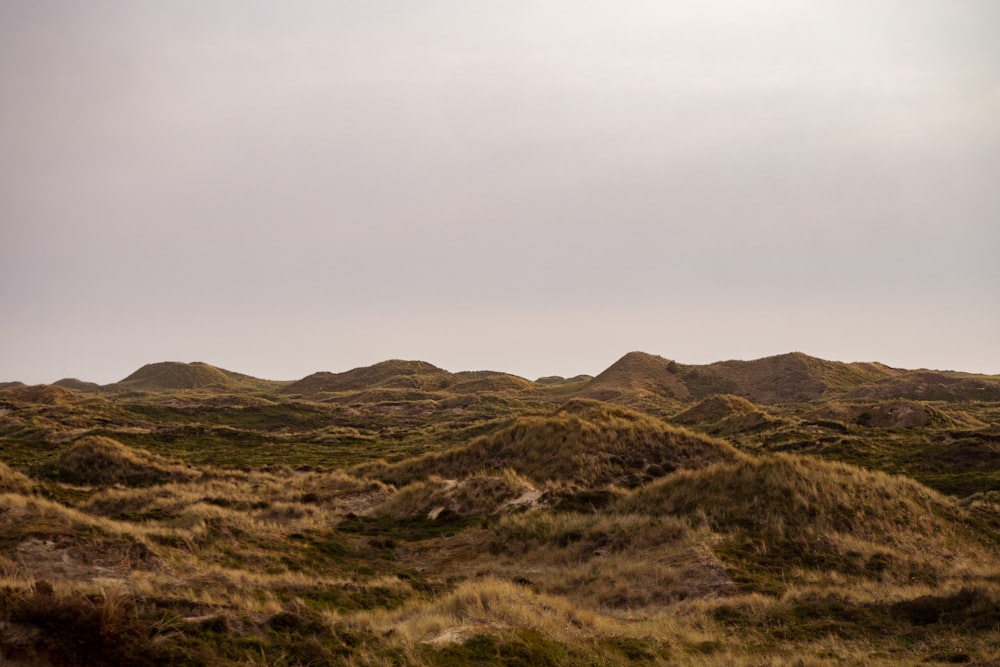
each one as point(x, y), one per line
point(531, 186)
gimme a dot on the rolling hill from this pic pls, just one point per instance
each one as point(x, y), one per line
point(783, 511)
point(392, 374)
point(174, 375)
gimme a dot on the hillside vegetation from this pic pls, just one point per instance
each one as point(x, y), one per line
point(782, 511)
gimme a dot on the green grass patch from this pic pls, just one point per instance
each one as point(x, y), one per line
point(523, 648)
point(407, 529)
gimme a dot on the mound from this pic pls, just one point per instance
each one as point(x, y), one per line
point(932, 386)
point(174, 375)
point(724, 415)
point(493, 382)
point(387, 374)
point(799, 495)
point(785, 378)
point(78, 385)
point(780, 379)
point(636, 375)
point(479, 495)
point(716, 408)
point(587, 443)
point(42, 394)
point(895, 414)
point(99, 460)
point(784, 512)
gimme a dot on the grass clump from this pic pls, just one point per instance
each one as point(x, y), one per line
point(98, 629)
point(478, 495)
point(103, 461)
point(519, 647)
point(783, 513)
point(12, 481)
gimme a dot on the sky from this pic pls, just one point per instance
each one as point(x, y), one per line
point(532, 186)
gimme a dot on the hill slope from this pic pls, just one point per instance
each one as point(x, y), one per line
point(785, 513)
point(587, 443)
point(392, 374)
point(639, 378)
point(636, 376)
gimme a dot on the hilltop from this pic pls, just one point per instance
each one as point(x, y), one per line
point(394, 373)
point(173, 375)
point(638, 379)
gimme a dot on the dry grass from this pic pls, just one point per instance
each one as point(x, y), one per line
point(103, 461)
point(587, 443)
point(716, 408)
point(590, 534)
point(788, 518)
point(792, 494)
point(477, 495)
point(897, 414)
point(12, 481)
point(281, 497)
point(638, 378)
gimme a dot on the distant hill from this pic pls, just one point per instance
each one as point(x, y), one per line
point(174, 375)
point(640, 380)
point(42, 394)
point(491, 382)
point(79, 385)
point(932, 386)
point(392, 374)
point(635, 376)
point(785, 378)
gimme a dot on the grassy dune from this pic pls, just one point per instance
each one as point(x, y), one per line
point(788, 511)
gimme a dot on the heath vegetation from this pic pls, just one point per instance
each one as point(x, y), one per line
point(783, 511)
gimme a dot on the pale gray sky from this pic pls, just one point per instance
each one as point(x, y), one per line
point(530, 186)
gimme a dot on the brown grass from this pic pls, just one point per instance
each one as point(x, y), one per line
point(478, 495)
point(587, 443)
point(788, 494)
point(636, 376)
point(101, 460)
point(897, 413)
point(12, 481)
point(588, 534)
point(786, 517)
